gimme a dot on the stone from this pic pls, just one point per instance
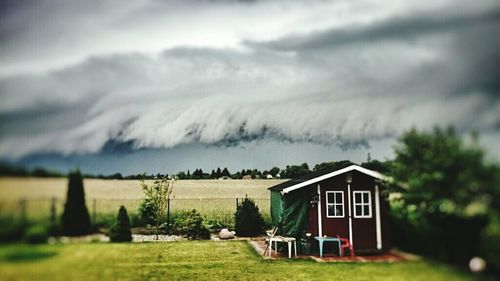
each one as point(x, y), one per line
point(226, 234)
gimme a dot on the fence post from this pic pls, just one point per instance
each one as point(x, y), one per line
point(22, 206)
point(236, 203)
point(53, 212)
point(168, 215)
point(94, 211)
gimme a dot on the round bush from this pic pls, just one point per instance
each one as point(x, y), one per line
point(36, 234)
point(194, 227)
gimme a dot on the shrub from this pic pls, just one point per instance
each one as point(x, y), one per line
point(75, 218)
point(194, 227)
point(11, 230)
point(248, 220)
point(36, 234)
point(120, 232)
point(147, 212)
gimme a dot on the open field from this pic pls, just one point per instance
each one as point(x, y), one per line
point(215, 198)
point(196, 260)
point(32, 188)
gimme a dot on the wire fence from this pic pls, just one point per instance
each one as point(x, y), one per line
point(50, 209)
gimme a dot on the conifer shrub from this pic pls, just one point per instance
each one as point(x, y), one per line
point(75, 218)
point(248, 219)
point(120, 231)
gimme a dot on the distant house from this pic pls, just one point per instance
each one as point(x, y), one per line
point(269, 176)
point(224, 178)
point(247, 177)
point(346, 202)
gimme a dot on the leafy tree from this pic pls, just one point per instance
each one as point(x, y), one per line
point(248, 219)
point(75, 218)
point(445, 189)
point(158, 194)
point(120, 231)
point(335, 165)
point(375, 165)
point(295, 171)
point(274, 171)
point(182, 175)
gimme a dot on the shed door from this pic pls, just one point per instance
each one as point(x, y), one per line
point(363, 220)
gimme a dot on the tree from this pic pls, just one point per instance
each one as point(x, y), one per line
point(75, 218)
point(218, 173)
point(225, 173)
point(375, 165)
point(248, 219)
point(335, 165)
point(158, 195)
point(295, 171)
point(213, 175)
point(274, 171)
point(444, 186)
point(120, 231)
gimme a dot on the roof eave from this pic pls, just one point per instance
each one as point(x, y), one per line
point(371, 173)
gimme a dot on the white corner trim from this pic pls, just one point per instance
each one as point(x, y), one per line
point(377, 218)
point(350, 216)
point(320, 225)
point(371, 173)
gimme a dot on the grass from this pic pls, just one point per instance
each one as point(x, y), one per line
point(198, 260)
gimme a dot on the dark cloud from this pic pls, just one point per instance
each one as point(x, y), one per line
point(346, 86)
point(400, 28)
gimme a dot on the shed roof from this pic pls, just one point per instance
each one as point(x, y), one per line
point(318, 176)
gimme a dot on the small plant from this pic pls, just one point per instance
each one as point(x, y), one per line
point(248, 219)
point(120, 232)
point(36, 234)
point(157, 197)
point(147, 212)
point(194, 227)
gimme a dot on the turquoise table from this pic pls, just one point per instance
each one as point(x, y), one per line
point(321, 240)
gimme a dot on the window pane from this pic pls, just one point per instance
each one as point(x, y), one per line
point(366, 211)
point(330, 198)
point(357, 198)
point(338, 210)
point(358, 210)
point(338, 197)
point(365, 197)
point(330, 210)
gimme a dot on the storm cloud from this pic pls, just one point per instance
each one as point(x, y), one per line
point(226, 72)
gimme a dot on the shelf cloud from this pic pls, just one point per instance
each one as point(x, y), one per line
point(164, 74)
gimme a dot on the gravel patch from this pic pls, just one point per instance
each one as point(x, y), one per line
point(152, 238)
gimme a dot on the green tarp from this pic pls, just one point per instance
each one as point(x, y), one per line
point(290, 212)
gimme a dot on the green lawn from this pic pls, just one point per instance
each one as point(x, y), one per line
point(194, 261)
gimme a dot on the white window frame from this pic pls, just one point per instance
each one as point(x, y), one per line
point(362, 204)
point(335, 203)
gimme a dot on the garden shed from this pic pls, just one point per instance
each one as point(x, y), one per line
point(348, 202)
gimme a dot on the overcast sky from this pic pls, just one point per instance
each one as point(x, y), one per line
point(161, 86)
